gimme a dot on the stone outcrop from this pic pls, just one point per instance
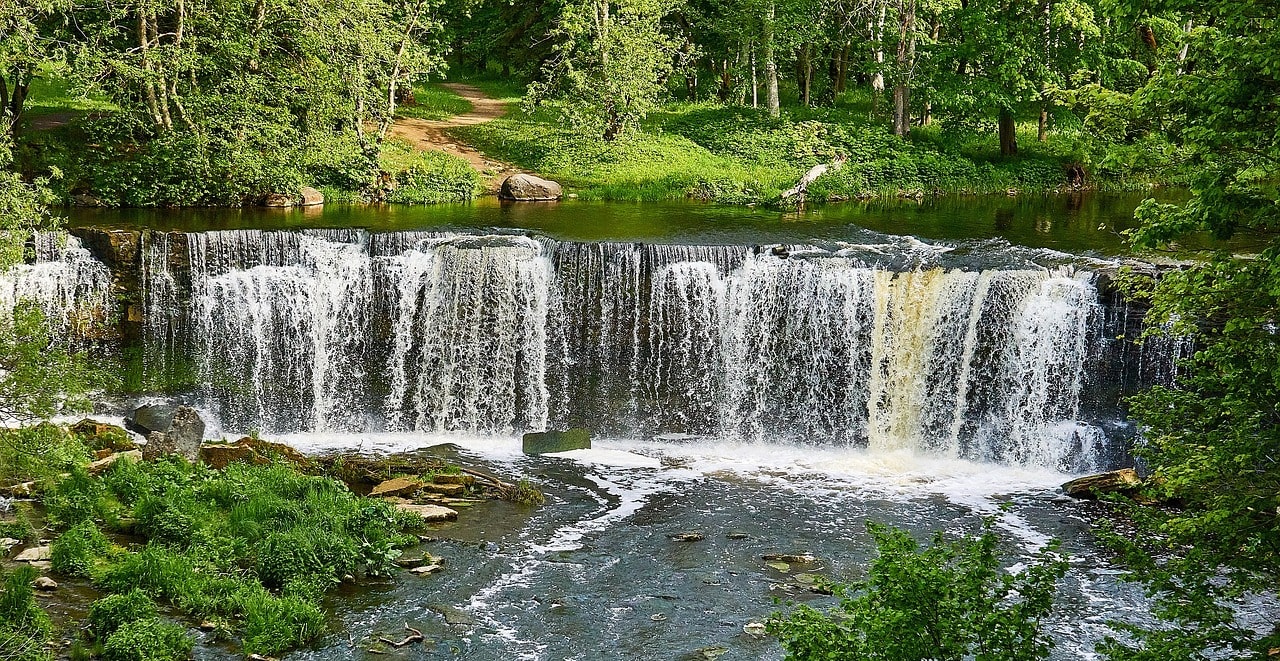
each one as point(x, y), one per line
point(400, 486)
point(251, 450)
point(102, 436)
point(429, 513)
point(152, 418)
point(548, 442)
point(528, 188)
point(1125, 480)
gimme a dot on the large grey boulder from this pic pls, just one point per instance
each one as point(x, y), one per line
point(548, 442)
point(528, 188)
point(152, 418)
point(183, 437)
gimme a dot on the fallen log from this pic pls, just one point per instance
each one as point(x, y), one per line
point(802, 187)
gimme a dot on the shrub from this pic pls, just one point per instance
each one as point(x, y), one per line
point(108, 614)
point(38, 453)
point(24, 626)
point(75, 551)
point(948, 602)
point(151, 639)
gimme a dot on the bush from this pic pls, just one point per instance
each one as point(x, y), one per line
point(24, 626)
point(38, 453)
point(948, 602)
point(108, 614)
point(428, 177)
point(75, 551)
point(151, 639)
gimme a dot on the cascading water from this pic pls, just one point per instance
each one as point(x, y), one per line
point(888, 346)
point(71, 288)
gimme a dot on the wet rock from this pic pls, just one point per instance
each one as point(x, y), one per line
point(411, 562)
point(41, 565)
point(677, 439)
point(453, 490)
point(528, 188)
point(398, 487)
point(104, 463)
point(801, 558)
point(753, 628)
point(311, 197)
point(454, 616)
point(208, 625)
point(429, 513)
point(86, 200)
point(183, 438)
point(737, 535)
point(780, 566)
point(658, 617)
point(152, 418)
point(45, 584)
point(710, 653)
point(102, 436)
point(34, 554)
point(549, 442)
point(687, 537)
point(1124, 480)
point(454, 478)
point(426, 570)
point(7, 543)
point(252, 450)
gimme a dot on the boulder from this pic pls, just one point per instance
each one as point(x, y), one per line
point(35, 554)
point(184, 437)
point(1124, 480)
point(311, 197)
point(152, 417)
point(45, 584)
point(548, 442)
point(528, 188)
point(429, 513)
point(102, 436)
point(398, 487)
point(426, 569)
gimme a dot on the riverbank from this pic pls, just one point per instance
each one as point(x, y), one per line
point(464, 138)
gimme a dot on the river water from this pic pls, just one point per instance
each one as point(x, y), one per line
point(769, 381)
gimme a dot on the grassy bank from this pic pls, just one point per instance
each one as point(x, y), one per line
point(740, 155)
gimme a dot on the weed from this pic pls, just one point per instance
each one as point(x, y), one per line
point(108, 614)
point(76, 551)
point(151, 639)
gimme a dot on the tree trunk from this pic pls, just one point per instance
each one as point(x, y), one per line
point(806, 73)
point(770, 64)
point(905, 63)
point(1042, 133)
point(901, 110)
point(755, 82)
point(877, 56)
point(1008, 133)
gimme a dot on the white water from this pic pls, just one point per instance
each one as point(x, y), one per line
point(71, 288)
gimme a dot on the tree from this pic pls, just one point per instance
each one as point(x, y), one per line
point(1213, 441)
point(948, 602)
point(25, 42)
point(611, 65)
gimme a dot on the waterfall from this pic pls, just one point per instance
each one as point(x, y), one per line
point(900, 346)
point(72, 289)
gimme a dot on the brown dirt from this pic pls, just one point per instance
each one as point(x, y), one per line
point(434, 135)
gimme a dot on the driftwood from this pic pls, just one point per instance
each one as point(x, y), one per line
point(802, 187)
point(486, 477)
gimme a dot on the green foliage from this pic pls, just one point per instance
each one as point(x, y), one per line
point(76, 551)
point(24, 627)
point(611, 60)
point(151, 639)
point(428, 177)
point(108, 614)
point(76, 498)
point(38, 378)
point(261, 543)
point(433, 102)
point(39, 452)
point(950, 601)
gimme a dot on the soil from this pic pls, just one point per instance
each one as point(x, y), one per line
point(435, 135)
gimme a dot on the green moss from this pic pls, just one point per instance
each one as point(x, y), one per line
point(151, 639)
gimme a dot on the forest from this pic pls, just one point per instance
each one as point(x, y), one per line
point(231, 104)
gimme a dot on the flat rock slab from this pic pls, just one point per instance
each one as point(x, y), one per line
point(103, 464)
point(400, 487)
point(549, 442)
point(429, 513)
point(35, 554)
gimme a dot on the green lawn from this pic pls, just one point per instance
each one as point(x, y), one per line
point(433, 102)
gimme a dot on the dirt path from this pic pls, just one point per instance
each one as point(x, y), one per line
point(434, 134)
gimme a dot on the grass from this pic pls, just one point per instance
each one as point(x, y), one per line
point(255, 547)
point(742, 156)
point(427, 177)
point(434, 102)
